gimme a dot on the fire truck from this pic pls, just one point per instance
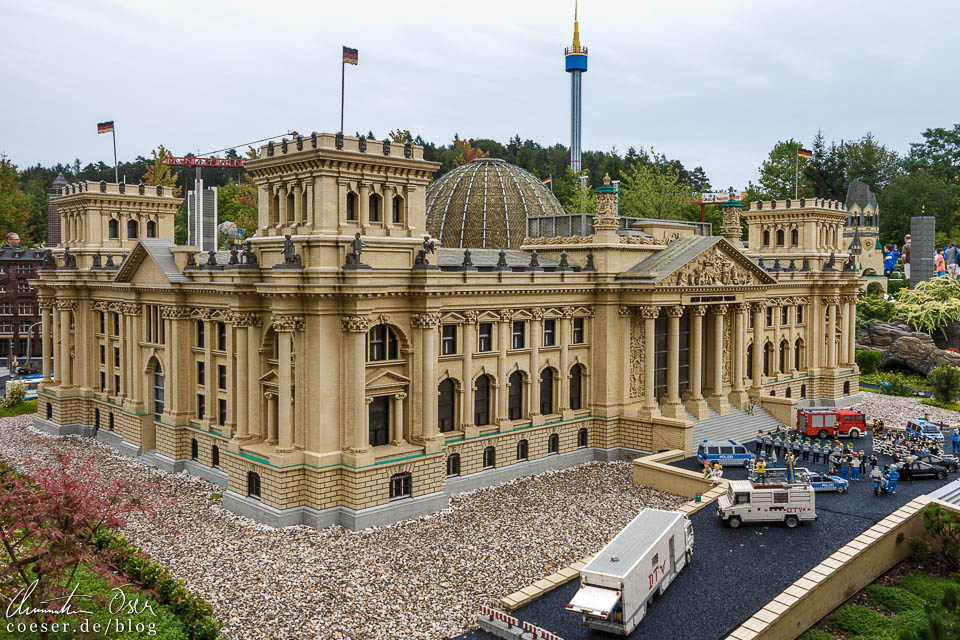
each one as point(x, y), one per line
point(829, 423)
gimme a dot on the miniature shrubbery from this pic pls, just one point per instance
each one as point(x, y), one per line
point(896, 384)
point(944, 382)
point(868, 361)
point(16, 392)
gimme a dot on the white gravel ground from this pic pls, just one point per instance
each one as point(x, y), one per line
point(422, 578)
point(896, 410)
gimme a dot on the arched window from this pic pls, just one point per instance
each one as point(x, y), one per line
point(523, 450)
point(515, 399)
point(151, 229)
point(132, 229)
point(50, 411)
point(779, 237)
point(788, 392)
point(783, 357)
point(767, 348)
point(803, 391)
point(481, 401)
point(576, 387)
point(445, 405)
point(113, 229)
point(553, 444)
point(382, 344)
point(797, 351)
point(453, 465)
point(846, 388)
point(253, 484)
point(795, 237)
point(397, 210)
point(582, 438)
point(546, 392)
point(400, 485)
point(374, 207)
point(351, 206)
point(194, 449)
point(766, 237)
point(157, 390)
point(489, 458)
point(215, 456)
point(773, 393)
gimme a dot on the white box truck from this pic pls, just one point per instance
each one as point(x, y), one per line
point(642, 560)
point(787, 503)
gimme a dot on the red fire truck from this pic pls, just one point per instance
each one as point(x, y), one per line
point(825, 423)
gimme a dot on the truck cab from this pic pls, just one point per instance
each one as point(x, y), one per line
point(831, 423)
point(747, 502)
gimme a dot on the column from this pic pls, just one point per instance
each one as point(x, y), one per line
point(282, 193)
point(55, 353)
point(66, 363)
point(757, 309)
point(136, 377)
point(45, 329)
point(387, 205)
point(308, 214)
point(297, 203)
point(230, 421)
point(253, 377)
point(536, 336)
point(356, 329)
point(695, 402)
point(852, 331)
point(210, 335)
point(123, 344)
point(285, 384)
point(241, 322)
point(832, 333)
point(775, 367)
point(844, 323)
point(108, 347)
point(271, 418)
point(428, 337)
point(503, 340)
point(649, 315)
point(566, 325)
point(364, 202)
point(671, 404)
point(738, 394)
point(469, 340)
point(718, 400)
point(397, 422)
point(814, 339)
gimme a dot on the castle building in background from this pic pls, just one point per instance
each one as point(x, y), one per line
point(345, 369)
point(575, 60)
point(202, 217)
point(53, 215)
point(18, 303)
point(861, 234)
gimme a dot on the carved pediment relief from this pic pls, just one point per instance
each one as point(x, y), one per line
point(715, 267)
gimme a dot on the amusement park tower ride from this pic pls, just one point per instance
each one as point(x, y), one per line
point(576, 60)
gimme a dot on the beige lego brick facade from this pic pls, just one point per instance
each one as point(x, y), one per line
point(345, 373)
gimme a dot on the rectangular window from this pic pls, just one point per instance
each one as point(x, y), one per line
point(155, 324)
point(200, 333)
point(784, 315)
point(103, 354)
point(769, 316)
point(116, 356)
point(25, 309)
point(103, 322)
point(519, 334)
point(23, 287)
point(750, 320)
point(201, 373)
point(221, 336)
point(201, 406)
point(6, 309)
point(485, 336)
point(116, 324)
point(222, 376)
point(221, 412)
point(578, 337)
point(116, 384)
point(799, 314)
point(549, 332)
point(449, 340)
point(24, 269)
point(103, 381)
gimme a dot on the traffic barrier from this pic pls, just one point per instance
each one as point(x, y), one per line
point(540, 633)
point(496, 614)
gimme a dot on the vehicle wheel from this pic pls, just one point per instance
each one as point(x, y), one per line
point(841, 489)
point(854, 433)
point(941, 475)
point(823, 433)
point(791, 521)
point(734, 522)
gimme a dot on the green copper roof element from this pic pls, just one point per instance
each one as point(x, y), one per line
point(605, 188)
point(879, 246)
point(731, 203)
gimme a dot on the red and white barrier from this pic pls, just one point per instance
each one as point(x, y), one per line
point(539, 633)
point(496, 614)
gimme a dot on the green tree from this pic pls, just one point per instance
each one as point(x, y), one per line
point(938, 154)
point(654, 190)
point(944, 381)
point(778, 174)
point(917, 194)
point(160, 174)
point(871, 162)
point(237, 202)
point(580, 198)
point(16, 207)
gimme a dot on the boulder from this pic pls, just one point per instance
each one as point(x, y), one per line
point(949, 337)
point(881, 335)
point(910, 352)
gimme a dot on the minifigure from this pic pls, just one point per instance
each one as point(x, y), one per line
point(761, 471)
point(767, 443)
point(759, 441)
point(862, 466)
point(873, 462)
point(855, 467)
point(815, 449)
point(789, 460)
point(892, 476)
point(844, 467)
point(707, 469)
point(795, 447)
point(717, 473)
point(776, 445)
point(806, 449)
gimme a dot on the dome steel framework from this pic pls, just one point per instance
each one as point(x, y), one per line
point(485, 204)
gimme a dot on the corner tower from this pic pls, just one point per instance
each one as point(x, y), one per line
point(576, 64)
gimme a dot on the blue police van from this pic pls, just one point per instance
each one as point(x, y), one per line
point(919, 427)
point(726, 452)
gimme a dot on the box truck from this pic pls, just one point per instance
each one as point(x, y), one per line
point(641, 561)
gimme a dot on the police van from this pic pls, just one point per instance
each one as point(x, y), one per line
point(726, 452)
point(748, 502)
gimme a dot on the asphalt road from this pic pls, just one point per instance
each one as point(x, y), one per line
point(736, 571)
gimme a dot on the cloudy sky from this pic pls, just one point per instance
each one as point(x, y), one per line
point(713, 83)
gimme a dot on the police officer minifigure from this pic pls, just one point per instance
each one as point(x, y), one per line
point(796, 447)
point(767, 443)
point(806, 449)
point(776, 445)
point(759, 442)
point(815, 449)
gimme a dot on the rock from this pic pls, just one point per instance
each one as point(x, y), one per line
point(948, 338)
point(910, 352)
point(881, 335)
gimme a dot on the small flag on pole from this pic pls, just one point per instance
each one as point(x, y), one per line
point(105, 127)
point(547, 180)
point(349, 55)
point(804, 153)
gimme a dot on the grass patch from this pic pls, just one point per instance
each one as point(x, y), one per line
point(27, 406)
point(817, 634)
point(929, 588)
point(894, 599)
point(933, 402)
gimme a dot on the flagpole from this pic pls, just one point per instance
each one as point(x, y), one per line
point(343, 66)
point(796, 179)
point(116, 174)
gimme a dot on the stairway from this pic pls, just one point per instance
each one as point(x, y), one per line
point(737, 425)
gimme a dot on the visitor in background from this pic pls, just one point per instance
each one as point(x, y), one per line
point(889, 260)
point(13, 241)
point(905, 257)
point(950, 257)
point(941, 266)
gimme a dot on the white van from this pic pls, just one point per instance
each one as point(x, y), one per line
point(746, 502)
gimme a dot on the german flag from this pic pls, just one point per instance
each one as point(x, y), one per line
point(804, 153)
point(105, 127)
point(349, 55)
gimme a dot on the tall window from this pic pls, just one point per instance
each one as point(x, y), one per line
point(523, 450)
point(221, 411)
point(215, 456)
point(445, 405)
point(103, 322)
point(769, 317)
point(194, 449)
point(766, 359)
point(553, 444)
point(582, 438)
point(481, 401)
point(157, 391)
point(484, 336)
point(766, 238)
point(578, 331)
point(201, 406)
point(803, 391)
point(448, 341)
point(797, 350)
point(351, 206)
point(660, 356)
point(116, 324)
point(519, 334)
point(253, 485)
point(515, 399)
point(795, 237)
point(374, 207)
point(750, 360)
point(546, 392)
point(221, 336)
point(201, 328)
point(382, 344)
point(549, 332)
point(400, 485)
point(379, 421)
point(221, 376)
point(576, 381)
point(151, 229)
point(201, 373)
point(784, 315)
point(397, 216)
point(780, 237)
point(799, 314)
point(489, 458)
point(453, 465)
point(113, 229)
point(131, 229)
point(783, 356)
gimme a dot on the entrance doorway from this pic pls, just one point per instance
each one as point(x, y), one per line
point(380, 421)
